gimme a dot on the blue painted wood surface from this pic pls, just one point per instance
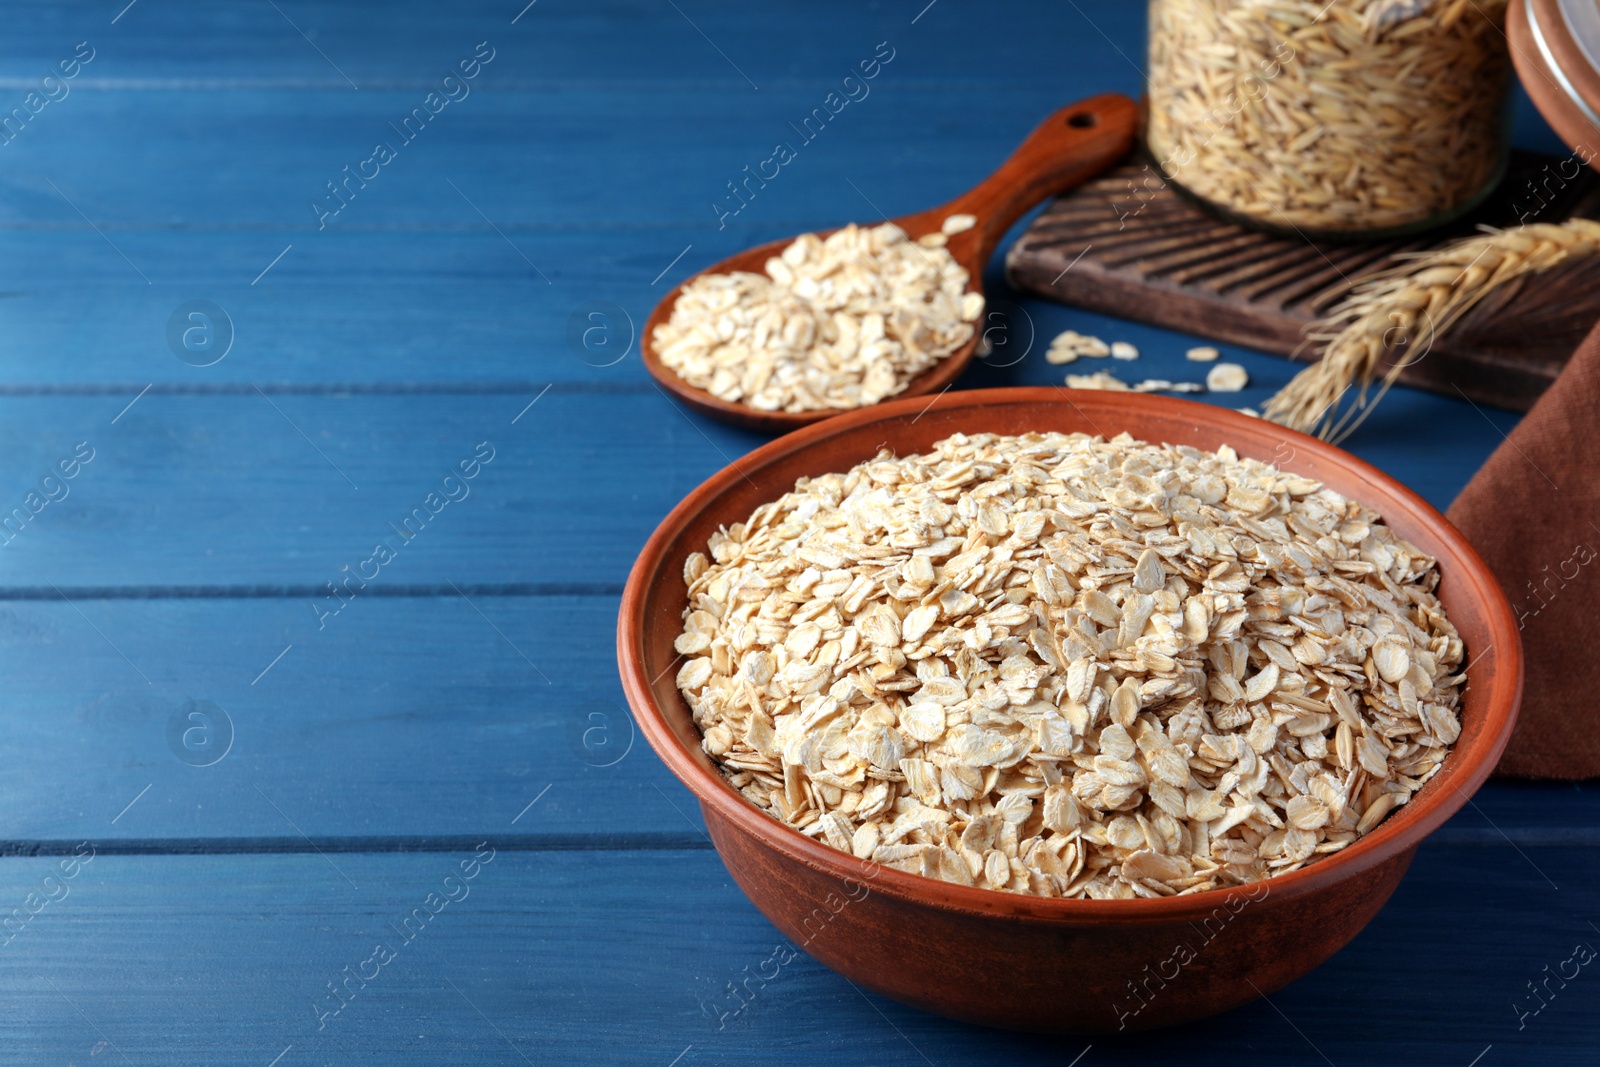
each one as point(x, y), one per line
point(345, 761)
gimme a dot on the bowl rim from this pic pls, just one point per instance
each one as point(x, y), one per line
point(1393, 839)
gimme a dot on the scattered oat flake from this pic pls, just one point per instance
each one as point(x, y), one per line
point(1071, 667)
point(1161, 385)
point(1227, 378)
point(958, 224)
point(1204, 354)
point(1098, 380)
point(1070, 345)
point(1123, 350)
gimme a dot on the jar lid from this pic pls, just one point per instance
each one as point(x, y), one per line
point(1555, 45)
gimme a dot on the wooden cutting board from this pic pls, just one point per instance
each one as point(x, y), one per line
point(1128, 245)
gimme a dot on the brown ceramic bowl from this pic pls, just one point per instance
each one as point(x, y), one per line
point(1042, 964)
point(1555, 46)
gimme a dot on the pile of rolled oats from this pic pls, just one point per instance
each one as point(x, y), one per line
point(834, 323)
point(1059, 665)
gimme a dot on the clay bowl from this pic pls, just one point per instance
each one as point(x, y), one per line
point(1038, 964)
point(1553, 46)
point(1068, 148)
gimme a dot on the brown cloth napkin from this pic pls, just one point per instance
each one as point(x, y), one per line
point(1533, 512)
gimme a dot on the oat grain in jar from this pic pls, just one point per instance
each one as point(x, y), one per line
point(1350, 118)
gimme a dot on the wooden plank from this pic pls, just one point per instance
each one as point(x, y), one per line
point(268, 154)
point(1130, 244)
point(443, 310)
point(563, 46)
point(279, 489)
point(608, 958)
point(254, 489)
point(455, 307)
point(409, 718)
point(403, 719)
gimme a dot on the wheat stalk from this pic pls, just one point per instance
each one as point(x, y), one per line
point(1397, 315)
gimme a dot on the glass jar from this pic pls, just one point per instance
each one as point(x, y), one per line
point(1343, 119)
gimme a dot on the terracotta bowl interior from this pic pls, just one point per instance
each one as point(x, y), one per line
point(655, 598)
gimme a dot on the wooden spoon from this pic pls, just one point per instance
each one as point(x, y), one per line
point(1069, 148)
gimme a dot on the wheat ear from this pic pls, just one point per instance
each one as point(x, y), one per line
point(1397, 315)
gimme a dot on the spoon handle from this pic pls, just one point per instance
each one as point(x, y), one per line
point(1067, 149)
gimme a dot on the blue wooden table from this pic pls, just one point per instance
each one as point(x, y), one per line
point(312, 748)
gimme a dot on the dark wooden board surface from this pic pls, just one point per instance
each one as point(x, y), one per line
point(1130, 244)
point(419, 721)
